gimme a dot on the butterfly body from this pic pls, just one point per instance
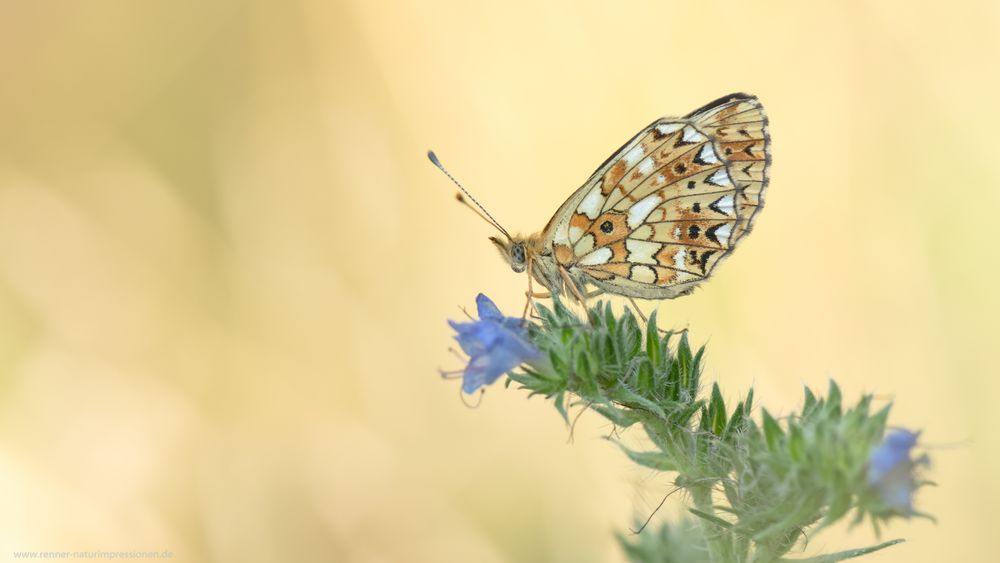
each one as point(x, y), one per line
point(658, 216)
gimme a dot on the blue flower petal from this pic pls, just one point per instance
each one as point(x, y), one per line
point(891, 471)
point(893, 452)
point(495, 345)
point(898, 495)
point(484, 370)
point(519, 345)
point(476, 337)
point(487, 309)
point(477, 374)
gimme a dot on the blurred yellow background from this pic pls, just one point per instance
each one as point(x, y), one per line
point(226, 264)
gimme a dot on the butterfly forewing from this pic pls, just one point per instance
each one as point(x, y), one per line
point(657, 217)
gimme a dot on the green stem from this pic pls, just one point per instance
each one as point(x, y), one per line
point(764, 553)
point(719, 540)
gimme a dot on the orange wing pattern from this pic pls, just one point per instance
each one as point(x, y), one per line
point(657, 217)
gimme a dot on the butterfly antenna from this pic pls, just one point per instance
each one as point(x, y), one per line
point(481, 211)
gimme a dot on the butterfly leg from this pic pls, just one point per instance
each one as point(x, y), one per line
point(646, 320)
point(638, 310)
point(572, 287)
point(547, 295)
point(527, 294)
point(531, 294)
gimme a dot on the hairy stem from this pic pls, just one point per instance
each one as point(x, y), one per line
point(720, 547)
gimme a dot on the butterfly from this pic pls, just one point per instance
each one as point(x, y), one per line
point(659, 215)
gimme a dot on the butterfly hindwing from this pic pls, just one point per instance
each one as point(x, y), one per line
point(739, 126)
point(658, 216)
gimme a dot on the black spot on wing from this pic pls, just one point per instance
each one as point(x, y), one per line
point(714, 206)
point(680, 142)
point(698, 160)
point(710, 233)
point(703, 262)
point(712, 182)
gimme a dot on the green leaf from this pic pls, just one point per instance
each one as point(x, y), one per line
point(631, 336)
point(796, 443)
point(809, 403)
point(653, 460)
point(683, 361)
point(713, 519)
point(732, 495)
point(842, 494)
point(560, 403)
point(683, 415)
point(772, 431)
point(735, 422)
point(617, 416)
point(644, 377)
point(558, 364)
point(703, 421)
point(833, 397)
point(727, 509)
point(863, 405)
point(586, 385)
point(625, 395)
point(673, 383)
point(840, 504)
point(717, 411)
point(694, 373)
point(849, 554)
point(880, 418)
point(547, 315)
point(653, 340)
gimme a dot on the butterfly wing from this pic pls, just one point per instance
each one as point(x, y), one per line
point(739, 128)
point(657, 217)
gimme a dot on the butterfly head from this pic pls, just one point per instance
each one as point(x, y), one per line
point(514, 251)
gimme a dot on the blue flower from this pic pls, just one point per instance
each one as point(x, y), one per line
point(495, 344)
point(891, 471)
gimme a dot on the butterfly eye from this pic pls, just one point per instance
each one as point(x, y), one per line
point(517, 257)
